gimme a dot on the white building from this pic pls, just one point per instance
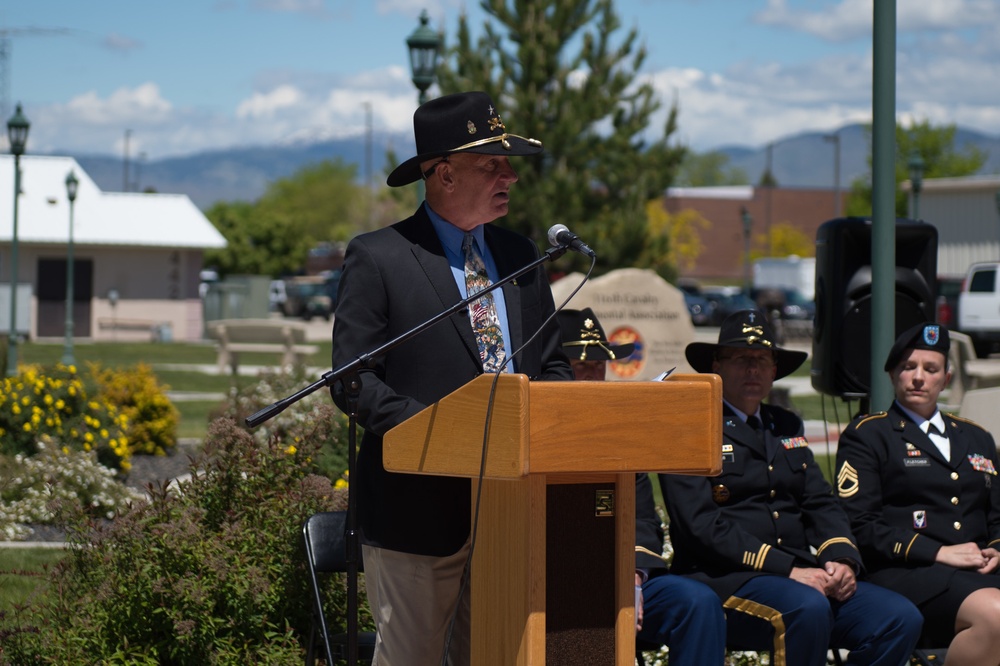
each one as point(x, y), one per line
point(136, 256)
point(966, 212)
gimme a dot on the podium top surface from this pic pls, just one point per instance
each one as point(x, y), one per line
point(565, 428)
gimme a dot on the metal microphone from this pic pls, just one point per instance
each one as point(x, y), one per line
point(559, 235)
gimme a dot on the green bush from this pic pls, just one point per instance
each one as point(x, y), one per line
point(210, 571)
point(43, 488)
point(151, 417)
point(53, 403)
point(313, 418)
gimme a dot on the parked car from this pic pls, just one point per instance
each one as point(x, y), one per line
point(307, 297)
point(277, 295)
point(723, 301)
point(791, 303)
point(947, 301)
point(979, 307)
point(699, 309)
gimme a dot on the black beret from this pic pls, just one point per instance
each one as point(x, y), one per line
point(922, 336)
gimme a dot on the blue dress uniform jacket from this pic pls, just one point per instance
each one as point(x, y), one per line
point(395, 279)
point(762, 514)
point(905, 500)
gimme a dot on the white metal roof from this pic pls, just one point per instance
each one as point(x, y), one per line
point(99, 218)
point(739, 192)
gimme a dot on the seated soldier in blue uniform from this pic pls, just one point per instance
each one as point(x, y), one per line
point(922, 493)
point(767, 534)
point(680, 613)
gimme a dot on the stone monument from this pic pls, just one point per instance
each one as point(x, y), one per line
point(638, 306)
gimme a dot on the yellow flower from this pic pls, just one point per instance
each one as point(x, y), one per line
point(27, 426)
point(88, 437)
point(291, 450)
point(48, 399)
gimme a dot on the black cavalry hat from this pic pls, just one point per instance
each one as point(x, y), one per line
point(583, 338)
point(922, 336)
point(461, 123)
point(746, 329)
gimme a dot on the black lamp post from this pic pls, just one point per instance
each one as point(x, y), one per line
point(425, 46)
point(67, 358)
point(747, 226)
point(916, 167)
point(17, 134)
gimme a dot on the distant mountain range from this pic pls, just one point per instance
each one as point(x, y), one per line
point(242, 174)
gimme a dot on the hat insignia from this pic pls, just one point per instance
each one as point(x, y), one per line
point(495, 123)
point(932, 334)
point(471, 127)
point(588, 323)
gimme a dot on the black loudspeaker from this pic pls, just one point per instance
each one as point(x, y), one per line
point(841, 363)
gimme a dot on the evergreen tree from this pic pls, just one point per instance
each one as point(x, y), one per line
point(591, 112)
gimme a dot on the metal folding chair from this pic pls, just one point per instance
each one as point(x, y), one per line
point(326, 553)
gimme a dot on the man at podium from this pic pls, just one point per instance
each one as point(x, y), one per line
point(415, 529)
point(767, 533)
point(675, 611)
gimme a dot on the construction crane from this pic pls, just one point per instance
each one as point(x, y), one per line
point(6, 34)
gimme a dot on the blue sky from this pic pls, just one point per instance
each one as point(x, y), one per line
point(191, 75)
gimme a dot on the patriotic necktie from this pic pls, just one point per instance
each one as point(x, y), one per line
point(483, 312)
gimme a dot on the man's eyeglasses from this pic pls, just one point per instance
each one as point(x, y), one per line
point(745, 361)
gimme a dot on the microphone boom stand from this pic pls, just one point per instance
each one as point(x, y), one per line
point(348, 375)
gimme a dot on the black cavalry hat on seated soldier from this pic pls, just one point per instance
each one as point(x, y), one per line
point(583, 338)
point(746, 329)
point(465, 122)
point(921, 336)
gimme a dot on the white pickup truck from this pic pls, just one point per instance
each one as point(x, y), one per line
point(979, 307)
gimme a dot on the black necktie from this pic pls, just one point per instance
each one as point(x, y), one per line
point(933, 430)
point(754, 422)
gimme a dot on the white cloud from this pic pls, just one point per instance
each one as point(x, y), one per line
point(853, 19)
point(265, 105)
point(121, 107)
point(117, 42)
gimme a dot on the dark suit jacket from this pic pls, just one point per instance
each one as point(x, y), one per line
point(905, 500)
point(394, 279)
point(762, 514)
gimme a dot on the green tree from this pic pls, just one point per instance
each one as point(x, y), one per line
point(320, 203)
point(558, 75)
point(259, 242)
point(708, 170)
point(934, 145)
point(324, 199)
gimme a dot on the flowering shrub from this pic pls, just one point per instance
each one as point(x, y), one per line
point(152, 418)
point(40, 488)
point(210, 571)
point(54, 404)
point(313, 419)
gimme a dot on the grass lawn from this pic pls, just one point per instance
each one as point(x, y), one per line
point(19, 569)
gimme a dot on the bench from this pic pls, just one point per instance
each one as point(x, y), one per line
point(968, 372)
point(275, 336)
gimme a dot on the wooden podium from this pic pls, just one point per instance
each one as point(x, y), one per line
point(554, 560)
